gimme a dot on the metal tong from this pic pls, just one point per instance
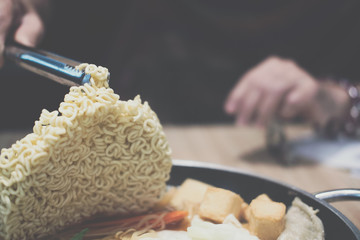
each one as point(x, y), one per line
point(277, 142)
point(47, 64)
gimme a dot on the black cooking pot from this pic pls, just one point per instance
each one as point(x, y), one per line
point(337, 226)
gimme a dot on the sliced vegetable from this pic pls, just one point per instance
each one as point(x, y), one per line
point(80, 235)
point(148, 219)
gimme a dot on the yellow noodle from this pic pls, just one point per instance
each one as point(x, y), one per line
point(95, 155)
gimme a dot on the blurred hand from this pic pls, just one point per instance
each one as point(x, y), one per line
point(329, 108)
point(20, 20)
point(279, 87)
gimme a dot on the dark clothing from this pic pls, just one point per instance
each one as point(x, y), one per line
point(183, 57)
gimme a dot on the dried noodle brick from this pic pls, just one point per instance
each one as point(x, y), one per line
point(96, 155)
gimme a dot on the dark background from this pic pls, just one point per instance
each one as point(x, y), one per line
point(183, 57)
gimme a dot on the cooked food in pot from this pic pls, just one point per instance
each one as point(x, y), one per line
point(302, 223)
point(220, 214)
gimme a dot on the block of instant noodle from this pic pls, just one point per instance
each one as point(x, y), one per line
point(95, 155)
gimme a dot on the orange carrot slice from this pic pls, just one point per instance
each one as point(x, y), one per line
point(170, 217)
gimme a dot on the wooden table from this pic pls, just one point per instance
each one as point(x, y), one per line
point(244, 148)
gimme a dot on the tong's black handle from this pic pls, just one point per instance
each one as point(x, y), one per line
point(50, 65)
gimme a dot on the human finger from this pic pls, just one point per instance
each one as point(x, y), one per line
point(235, 97)
point(6, 11)
point(294, 104)
point(247, 109)
point(268, 108)
point(30, 30)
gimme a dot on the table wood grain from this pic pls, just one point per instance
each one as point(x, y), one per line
point(245, 148)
